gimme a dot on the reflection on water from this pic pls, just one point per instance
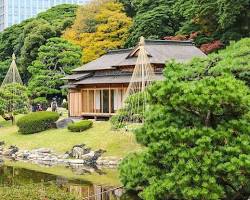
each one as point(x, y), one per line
point(84, 189)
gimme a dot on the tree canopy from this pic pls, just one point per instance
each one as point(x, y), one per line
point(34, 35)
point(223, 19)
point(196, 131)
point(153, 19)
point(55, 59)
point(13, 99)
point(104, 26)
point(210, 19)
point(25, 38)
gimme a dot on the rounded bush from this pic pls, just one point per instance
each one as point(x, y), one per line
point(37, 122)
point(80, 126)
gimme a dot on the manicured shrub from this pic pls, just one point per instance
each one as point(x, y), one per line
point(14, 99)
point(80, 126)
point(130, 112)
point(118, 121)
point(37, 122)
point(34, 192)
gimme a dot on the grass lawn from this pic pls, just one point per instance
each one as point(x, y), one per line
point(61, 140)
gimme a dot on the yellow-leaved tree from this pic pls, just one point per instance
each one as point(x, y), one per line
point(100, 25)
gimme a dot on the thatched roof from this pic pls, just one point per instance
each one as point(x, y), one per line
point(159, 51)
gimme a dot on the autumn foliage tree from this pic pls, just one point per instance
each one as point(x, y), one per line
point(100, 25)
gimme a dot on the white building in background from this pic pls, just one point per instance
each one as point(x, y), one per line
point(15, 11)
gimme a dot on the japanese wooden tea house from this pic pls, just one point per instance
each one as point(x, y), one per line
point(97, 88)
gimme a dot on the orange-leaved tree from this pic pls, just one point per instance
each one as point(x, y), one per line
point(100, 25)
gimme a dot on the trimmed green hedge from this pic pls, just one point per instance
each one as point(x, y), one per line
point(37, 122)
point(80, 126)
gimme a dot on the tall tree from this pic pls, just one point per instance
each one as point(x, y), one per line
point(24, 39)
point(221, 19)
point(56, 58)
point(196, 132)
point(4, 66)
point(129, 6)
point(34, 35)
point(153, 19)
point(9, 39)
point(60, 16)
point(100, 25)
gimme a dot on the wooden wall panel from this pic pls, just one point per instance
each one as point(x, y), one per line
point(84, 101)
point(91, 101)
point(75, 104)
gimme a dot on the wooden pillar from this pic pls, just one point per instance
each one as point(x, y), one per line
point(94, 100)
point(109, 99)
point(122, 93)
point(88, 101)
point(117, 100)
point(81, 94)
point(69, 103)
point(102, 101)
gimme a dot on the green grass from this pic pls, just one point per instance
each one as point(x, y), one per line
point(61, 140)
point(109, 176)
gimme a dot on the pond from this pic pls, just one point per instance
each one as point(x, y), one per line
point(98, 185)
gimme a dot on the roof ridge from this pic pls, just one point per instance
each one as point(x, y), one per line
point(181, 42)
point(119, 50)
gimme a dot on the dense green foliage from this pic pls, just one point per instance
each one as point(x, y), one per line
point(104, 26)
point(154, 19)
point(34, 192)
point(132, 111)
point(25, 39)
point(216, 19)
point(42, 101)
point(4, 66)
point(34, 35)
point(235, 60)
point(196, 131)
point(37, 122)
point(55, 59)
point(212, 19)
point(80, 126)
point(14, 99)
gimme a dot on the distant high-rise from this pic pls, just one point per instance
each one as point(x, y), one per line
point(15, 11)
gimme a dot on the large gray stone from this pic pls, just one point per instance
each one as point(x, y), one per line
point(42, 151)
point(64, 123)
point(88, 156)
point(108, 161)
point(75, 161)
point(10, 151)
point(79, 152)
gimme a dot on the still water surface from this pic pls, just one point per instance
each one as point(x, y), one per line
point(13, 175)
